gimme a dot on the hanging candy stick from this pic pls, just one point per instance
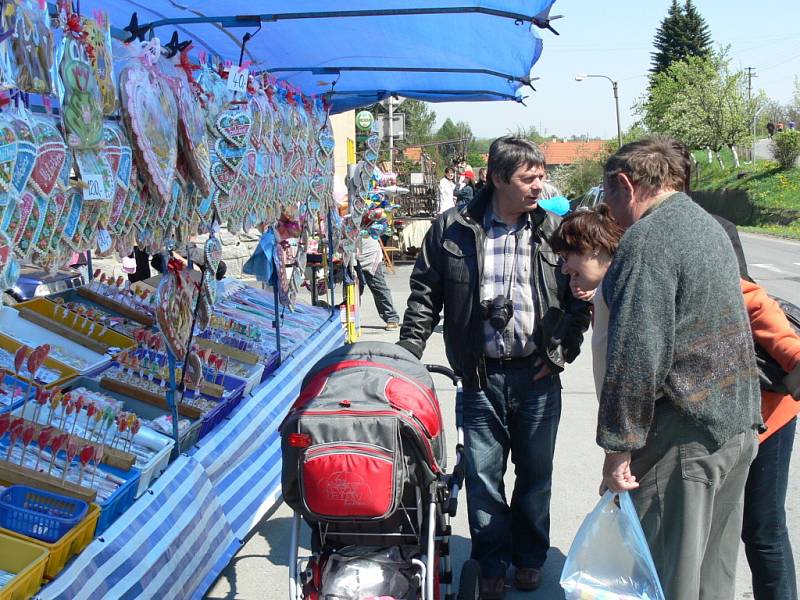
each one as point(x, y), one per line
point(5, 424)
point(70, 408)
point(27, 437)
point(41, 396)
point(86, 454)
point(35, 360)
point(55, 445)
point(14, 431)
point(91, 409)
point(55, 400)
point(98, 457)
point(78, 407)
point(72, 452)
point(45, 435)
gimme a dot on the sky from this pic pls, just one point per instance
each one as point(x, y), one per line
point(615, 38)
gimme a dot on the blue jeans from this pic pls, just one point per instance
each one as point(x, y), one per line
point(766, 539)
point(518, 416)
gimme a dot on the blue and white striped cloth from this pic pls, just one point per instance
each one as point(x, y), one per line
point(179, 536)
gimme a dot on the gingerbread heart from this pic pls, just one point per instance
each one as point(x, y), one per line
point(174, 303)
point(150, 110)
point(234, 126)
point(223, 177)
point(8, 158)
point(232, 156)
point(82, 111)
point(192, 128)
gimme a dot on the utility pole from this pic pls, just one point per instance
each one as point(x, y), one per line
point(750, 75)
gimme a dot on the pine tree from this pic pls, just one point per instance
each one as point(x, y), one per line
point(682, 33)
point(698, 37)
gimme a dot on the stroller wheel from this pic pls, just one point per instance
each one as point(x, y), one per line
point(469, 585)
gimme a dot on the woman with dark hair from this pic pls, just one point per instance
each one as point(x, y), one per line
point(587, 240)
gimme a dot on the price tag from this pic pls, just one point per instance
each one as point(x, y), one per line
point(103, 241)
point(237, 79)
point(95, 187)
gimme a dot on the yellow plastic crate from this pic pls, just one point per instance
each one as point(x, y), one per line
point(25, 559)
point(72, 543)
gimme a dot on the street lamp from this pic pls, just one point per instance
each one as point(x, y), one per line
point(582, 76)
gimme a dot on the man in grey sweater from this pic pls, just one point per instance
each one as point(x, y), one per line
point(679, 406)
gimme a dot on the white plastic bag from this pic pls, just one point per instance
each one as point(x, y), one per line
point(609, 558)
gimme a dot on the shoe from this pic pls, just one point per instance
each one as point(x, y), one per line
point(392, 326)
point(527, 578)
point(493, 588)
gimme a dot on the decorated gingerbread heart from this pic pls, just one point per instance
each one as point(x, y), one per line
point(233, 125)
point(174, 303)
point(83, 104)
point(151, 113)
point(50, 158)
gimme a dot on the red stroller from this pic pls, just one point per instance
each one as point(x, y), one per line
point(364, 465)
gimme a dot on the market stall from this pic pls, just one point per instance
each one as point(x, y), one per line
point(138, 426)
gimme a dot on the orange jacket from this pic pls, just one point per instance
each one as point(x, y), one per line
point(773, 332)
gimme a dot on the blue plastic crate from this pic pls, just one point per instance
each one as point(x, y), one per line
point(120, 501)
point(38, 514)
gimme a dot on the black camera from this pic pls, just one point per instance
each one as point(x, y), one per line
point(498, 311)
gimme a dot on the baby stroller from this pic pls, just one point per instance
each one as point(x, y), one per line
point(364, 465)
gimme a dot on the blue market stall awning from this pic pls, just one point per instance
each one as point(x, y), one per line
point(361, 51)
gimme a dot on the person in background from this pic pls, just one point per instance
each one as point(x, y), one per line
point(372, 271)
point(764, 531)
point(771, 128)
point(447, 188)
point(467, 191)
point(481, 179)
point(510, 327)
point(679, 422)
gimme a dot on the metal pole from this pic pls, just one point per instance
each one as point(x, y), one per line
point(616, 104)
point(391, 132)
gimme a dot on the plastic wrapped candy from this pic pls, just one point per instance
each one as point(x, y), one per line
point(31, 44)
point(97, 40)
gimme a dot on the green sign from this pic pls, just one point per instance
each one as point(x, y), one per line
point(364, 119)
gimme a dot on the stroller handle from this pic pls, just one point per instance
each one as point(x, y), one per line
point(446, 371)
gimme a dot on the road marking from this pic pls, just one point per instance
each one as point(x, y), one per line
point(772, 268)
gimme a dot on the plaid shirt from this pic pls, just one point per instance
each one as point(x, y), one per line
point(509, 249)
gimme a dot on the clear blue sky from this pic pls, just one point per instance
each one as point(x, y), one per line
point(614, 38)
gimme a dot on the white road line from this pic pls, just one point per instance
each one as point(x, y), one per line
point(772, 268)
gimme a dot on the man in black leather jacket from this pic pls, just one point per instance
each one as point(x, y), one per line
point(497, 246)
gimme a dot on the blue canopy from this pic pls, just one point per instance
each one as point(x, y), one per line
point(361, 51)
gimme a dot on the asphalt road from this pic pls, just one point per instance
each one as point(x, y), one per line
point(260, 570)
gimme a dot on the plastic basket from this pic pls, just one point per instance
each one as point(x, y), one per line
point(27, 560)
point(156, 465)
point(38, 514)
point(120, 500)
point(68, 546)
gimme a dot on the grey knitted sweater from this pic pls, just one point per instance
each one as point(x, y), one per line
point(678, 330)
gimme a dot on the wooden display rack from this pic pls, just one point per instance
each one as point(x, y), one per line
point(120, 387)
point(15, 474)
point(117, 307)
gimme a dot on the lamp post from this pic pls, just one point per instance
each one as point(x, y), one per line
point(582, 76)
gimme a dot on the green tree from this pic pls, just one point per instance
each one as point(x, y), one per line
point(420, 119)
point(682, 33)
point(702, 102)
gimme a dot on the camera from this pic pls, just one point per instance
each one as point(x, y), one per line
point(498, 311)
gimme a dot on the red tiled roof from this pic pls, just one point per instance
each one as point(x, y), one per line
point(567, 153)
point(413, 153)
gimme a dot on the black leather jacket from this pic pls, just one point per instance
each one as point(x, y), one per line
point(448, 275)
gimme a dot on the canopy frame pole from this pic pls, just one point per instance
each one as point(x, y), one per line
point(526, 80)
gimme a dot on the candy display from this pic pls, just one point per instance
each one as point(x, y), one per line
point(110, 145)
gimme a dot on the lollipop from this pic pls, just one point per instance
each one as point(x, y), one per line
point(86, 454)
point(55, 445)
point(91, 409)
point(72, 452)
point(27, 437)
point(45, 435)
point(134, 429)
point(14, 431)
